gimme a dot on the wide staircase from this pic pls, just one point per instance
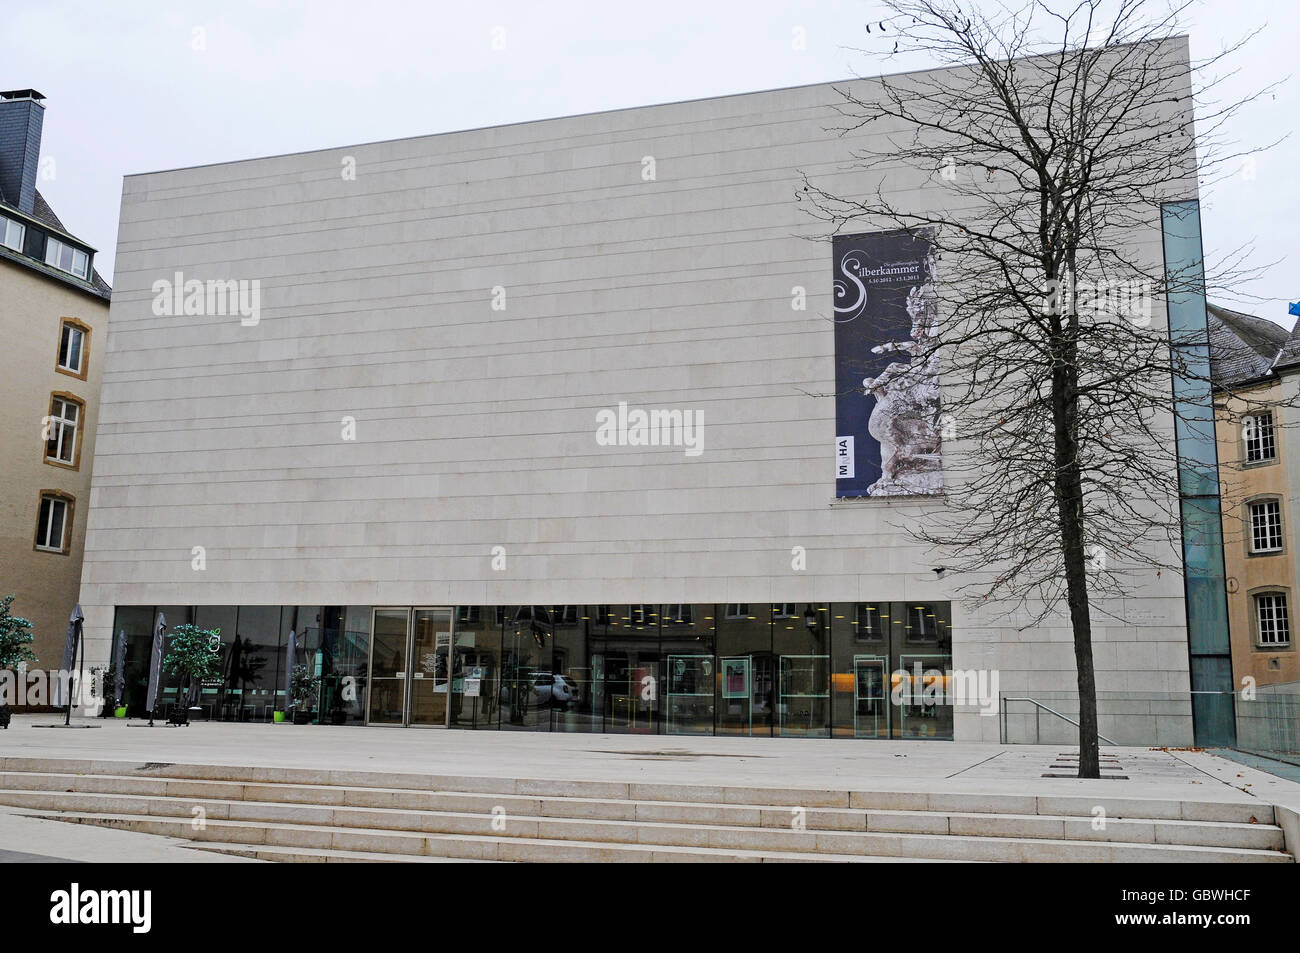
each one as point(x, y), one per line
point(288, 814)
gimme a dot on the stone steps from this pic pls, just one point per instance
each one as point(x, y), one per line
point(620, 801)
point(474, 814)
point(332, 816)
point(304, 840)
point(722, 844)
point(321, 855)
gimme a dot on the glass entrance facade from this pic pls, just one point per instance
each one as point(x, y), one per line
point(805, 670)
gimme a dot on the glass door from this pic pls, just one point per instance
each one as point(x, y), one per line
point(388, 654)
point(431, 634)
point(408, 667)
point(475, 670)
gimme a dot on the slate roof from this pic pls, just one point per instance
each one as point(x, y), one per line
point(1243, 347)
point(42, 212)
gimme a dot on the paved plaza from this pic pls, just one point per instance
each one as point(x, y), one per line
point(759, 762)
point(813, 764)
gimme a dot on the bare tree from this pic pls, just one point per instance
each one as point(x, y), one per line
point(1039, 167)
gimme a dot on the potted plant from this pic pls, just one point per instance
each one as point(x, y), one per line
point(192, 656)
point(99, 682)
point(103, 679)
point(15, 651)
point(303, 685)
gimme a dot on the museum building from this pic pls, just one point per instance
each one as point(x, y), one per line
point(448, 410)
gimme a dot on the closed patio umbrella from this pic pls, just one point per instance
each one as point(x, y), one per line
point(234, 675)
point(70, 659)
point(155, 665)
point(119, 669)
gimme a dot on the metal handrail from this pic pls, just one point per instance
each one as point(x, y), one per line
point(1036, 702)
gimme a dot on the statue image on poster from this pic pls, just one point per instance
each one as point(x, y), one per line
point(886, 365)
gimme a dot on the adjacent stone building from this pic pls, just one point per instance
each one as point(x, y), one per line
point(54, 324)
point(1255, 364)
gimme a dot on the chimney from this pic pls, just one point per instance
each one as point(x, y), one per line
point(22, 112)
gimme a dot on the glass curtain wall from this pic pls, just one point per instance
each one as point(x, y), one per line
point(249, 667)
point(690, 668)
point(527, 675)
point(746, 678)
point(1209, 646)
point(571, 686)
point(626, 667)
point(137, 622)
point(333, 642)
point(890, 670)
point(476, 668)
point(343, 665)
point(801, 644)
point(850, 670)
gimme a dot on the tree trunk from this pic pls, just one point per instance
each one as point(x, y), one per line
point(1069, 502)
point(1076, 579)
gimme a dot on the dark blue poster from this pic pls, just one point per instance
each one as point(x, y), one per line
point(886, 369)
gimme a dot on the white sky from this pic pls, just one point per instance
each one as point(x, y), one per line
point(127, 91)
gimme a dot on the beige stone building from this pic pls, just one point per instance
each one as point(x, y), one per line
point(54, 322)
point(392, 470)
point(1252, 364)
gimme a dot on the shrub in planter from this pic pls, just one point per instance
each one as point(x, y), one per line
point(15, 649)
point(303, 686)
point(195, 655)
point(101, 688)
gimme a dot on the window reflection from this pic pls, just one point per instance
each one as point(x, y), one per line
point(854, 670)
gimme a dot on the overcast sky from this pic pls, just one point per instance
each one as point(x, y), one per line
point(135, 86)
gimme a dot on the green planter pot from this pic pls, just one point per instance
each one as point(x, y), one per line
point(278, 717)
point(119, 712)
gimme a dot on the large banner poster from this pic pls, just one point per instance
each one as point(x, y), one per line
point(886, 369)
